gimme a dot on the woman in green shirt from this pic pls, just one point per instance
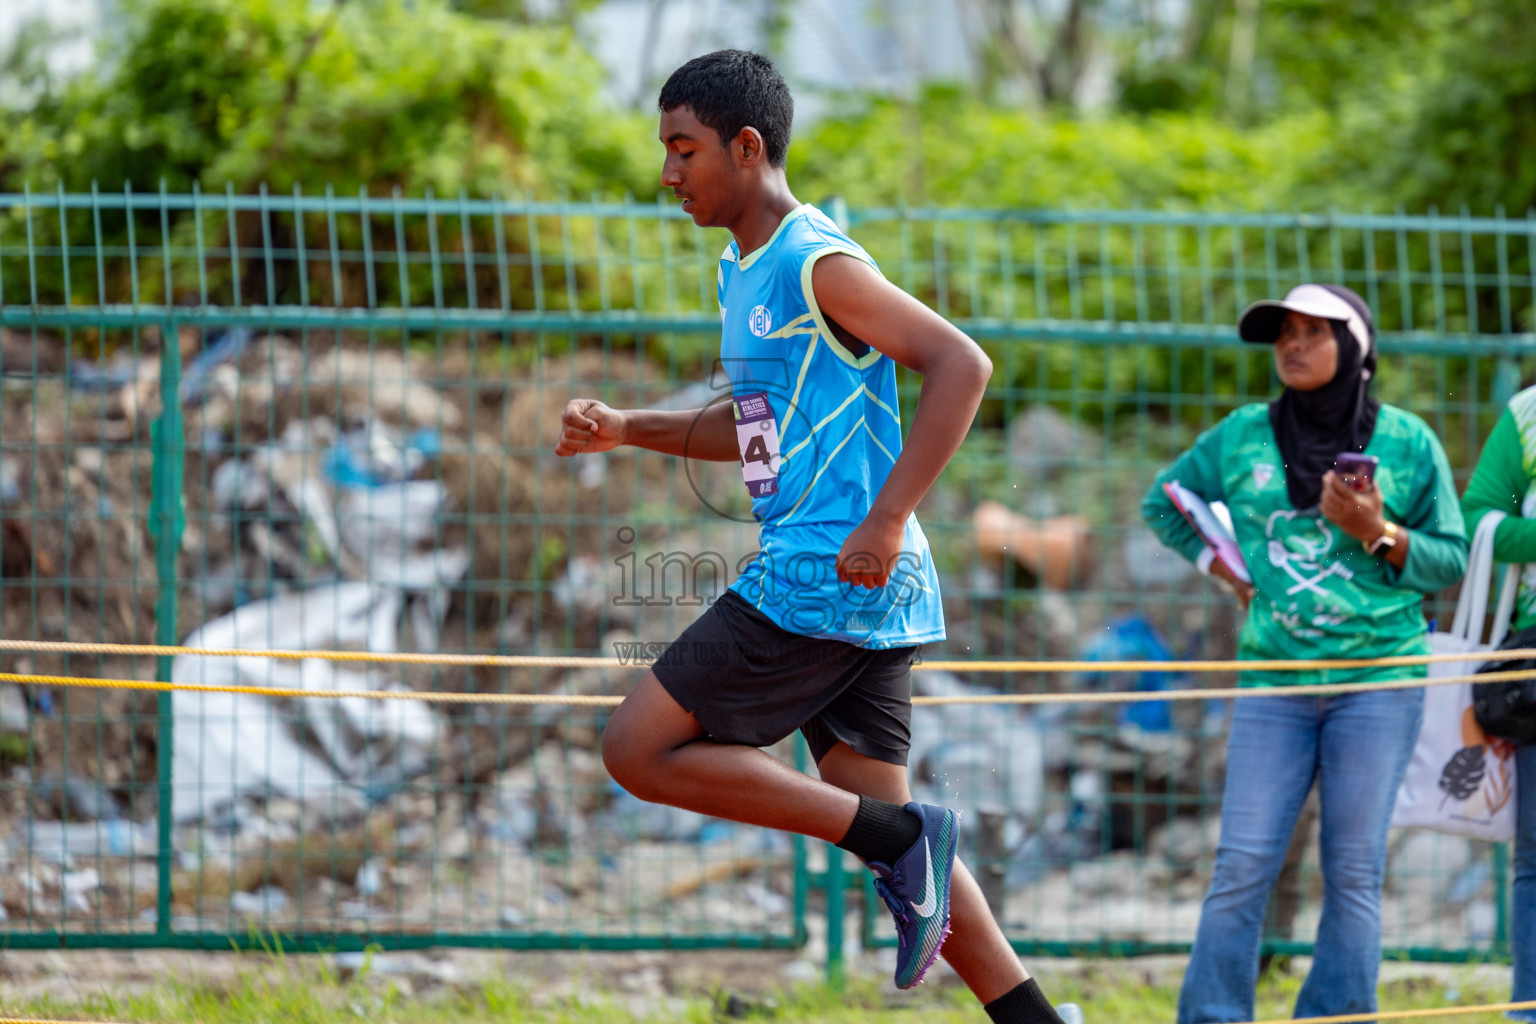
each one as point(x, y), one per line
point(1337, 572)
point(1505, 479)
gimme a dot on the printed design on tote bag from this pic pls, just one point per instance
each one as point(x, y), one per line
point(1482, 765)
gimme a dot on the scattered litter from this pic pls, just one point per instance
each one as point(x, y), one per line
point(370, 877)
point(76, 799)
point(1150, 564)
point(60, 842)
point(229, 744)
point(223, 347)
point(1042, 440)
point(10, 481)
point(376, 454)
point(267, 900)
point(584, 586)
point(1132, 638)
point(14, 714)
point(85, 375)
point(394, 965)
point(639, 819)
point(974, 756)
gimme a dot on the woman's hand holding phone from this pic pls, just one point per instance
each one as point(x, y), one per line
point(1359, 471)
point(1358, 513)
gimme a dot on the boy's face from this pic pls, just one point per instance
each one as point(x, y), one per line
point(698, 169)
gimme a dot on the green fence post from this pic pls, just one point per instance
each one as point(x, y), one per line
point(167, 519)
point(835, 884)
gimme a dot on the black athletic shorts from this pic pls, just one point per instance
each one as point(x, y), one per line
point(748, 681)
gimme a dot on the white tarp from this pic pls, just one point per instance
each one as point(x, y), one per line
point(229, 744)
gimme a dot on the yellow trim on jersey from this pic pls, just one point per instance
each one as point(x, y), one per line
point(828, 418)
point(869, 358)
point(799, 325)
point(826, 464)
point(882, 447)
point(876, 399)
point(805, 364)
point(745, 262)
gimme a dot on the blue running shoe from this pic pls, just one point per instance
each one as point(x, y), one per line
point(916, 890)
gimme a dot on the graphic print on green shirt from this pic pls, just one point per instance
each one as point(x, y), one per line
point(1318, 593)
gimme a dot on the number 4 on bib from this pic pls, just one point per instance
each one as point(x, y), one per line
point(757, 435)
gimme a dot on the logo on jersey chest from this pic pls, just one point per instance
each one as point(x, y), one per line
point(760, 321)
point(1263, 473)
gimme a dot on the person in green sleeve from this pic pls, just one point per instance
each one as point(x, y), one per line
point(1337, 572)
point(1505, 479)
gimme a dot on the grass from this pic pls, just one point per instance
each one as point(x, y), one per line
point(308, 991)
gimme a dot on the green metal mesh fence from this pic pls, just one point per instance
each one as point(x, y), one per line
point(327, 422)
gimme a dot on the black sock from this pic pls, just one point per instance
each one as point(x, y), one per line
point(881, 831)
point(1025, 1004)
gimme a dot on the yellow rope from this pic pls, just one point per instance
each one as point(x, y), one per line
point(581, 700)
point(1449, 1011)
point(1346, 1018)
point(585, 700)
point(558, 661)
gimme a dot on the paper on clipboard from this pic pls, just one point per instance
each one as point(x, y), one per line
point(1216, 534)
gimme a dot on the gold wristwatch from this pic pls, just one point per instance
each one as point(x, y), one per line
point(1387, 539)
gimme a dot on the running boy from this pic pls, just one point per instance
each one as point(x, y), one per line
point(823, 626)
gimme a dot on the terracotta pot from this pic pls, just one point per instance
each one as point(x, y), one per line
point(1055, 550)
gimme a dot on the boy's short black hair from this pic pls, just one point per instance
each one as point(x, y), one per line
point(729, 90)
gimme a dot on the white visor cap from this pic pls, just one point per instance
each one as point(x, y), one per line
point(1260, 322)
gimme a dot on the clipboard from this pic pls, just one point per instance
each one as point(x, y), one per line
point(1215, 533)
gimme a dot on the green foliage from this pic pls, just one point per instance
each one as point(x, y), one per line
point(562, 11)
point(1335, 102)
point(1324, 53)
point(1472, 138)
point(373, 93)
point(303, 991)
point(14, 748)
point(949, 149)
point(1305, 54)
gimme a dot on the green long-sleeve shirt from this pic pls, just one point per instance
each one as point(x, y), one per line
point(1318, 593)
point(1505, 479)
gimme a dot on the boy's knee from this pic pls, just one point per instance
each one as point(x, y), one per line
point(613, 751)
point(625, 759)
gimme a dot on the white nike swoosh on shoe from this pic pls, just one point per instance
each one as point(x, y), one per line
point(930, 901)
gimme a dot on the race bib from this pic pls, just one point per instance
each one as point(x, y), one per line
point(757, 435)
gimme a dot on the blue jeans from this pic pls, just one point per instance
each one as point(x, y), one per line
point(1523, 926)
point(1357, 747)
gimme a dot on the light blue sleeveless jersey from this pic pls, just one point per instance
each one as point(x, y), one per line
point(819, 428)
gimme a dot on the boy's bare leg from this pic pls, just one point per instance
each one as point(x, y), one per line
point(976, 947)
point(658, 751)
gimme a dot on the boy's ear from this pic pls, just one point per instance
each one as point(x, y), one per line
point(748, 147)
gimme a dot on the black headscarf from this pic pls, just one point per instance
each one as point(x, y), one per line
point(1313, 427)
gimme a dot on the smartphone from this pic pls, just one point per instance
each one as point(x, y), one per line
point(1356, 470)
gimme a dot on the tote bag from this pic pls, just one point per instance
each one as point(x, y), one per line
point(1459, 780)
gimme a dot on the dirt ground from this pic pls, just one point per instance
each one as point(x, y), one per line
point(646, 979)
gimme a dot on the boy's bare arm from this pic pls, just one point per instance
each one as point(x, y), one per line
point(707, 434)
point(955, 373)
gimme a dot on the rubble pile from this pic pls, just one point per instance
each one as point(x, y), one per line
point(341, 493)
